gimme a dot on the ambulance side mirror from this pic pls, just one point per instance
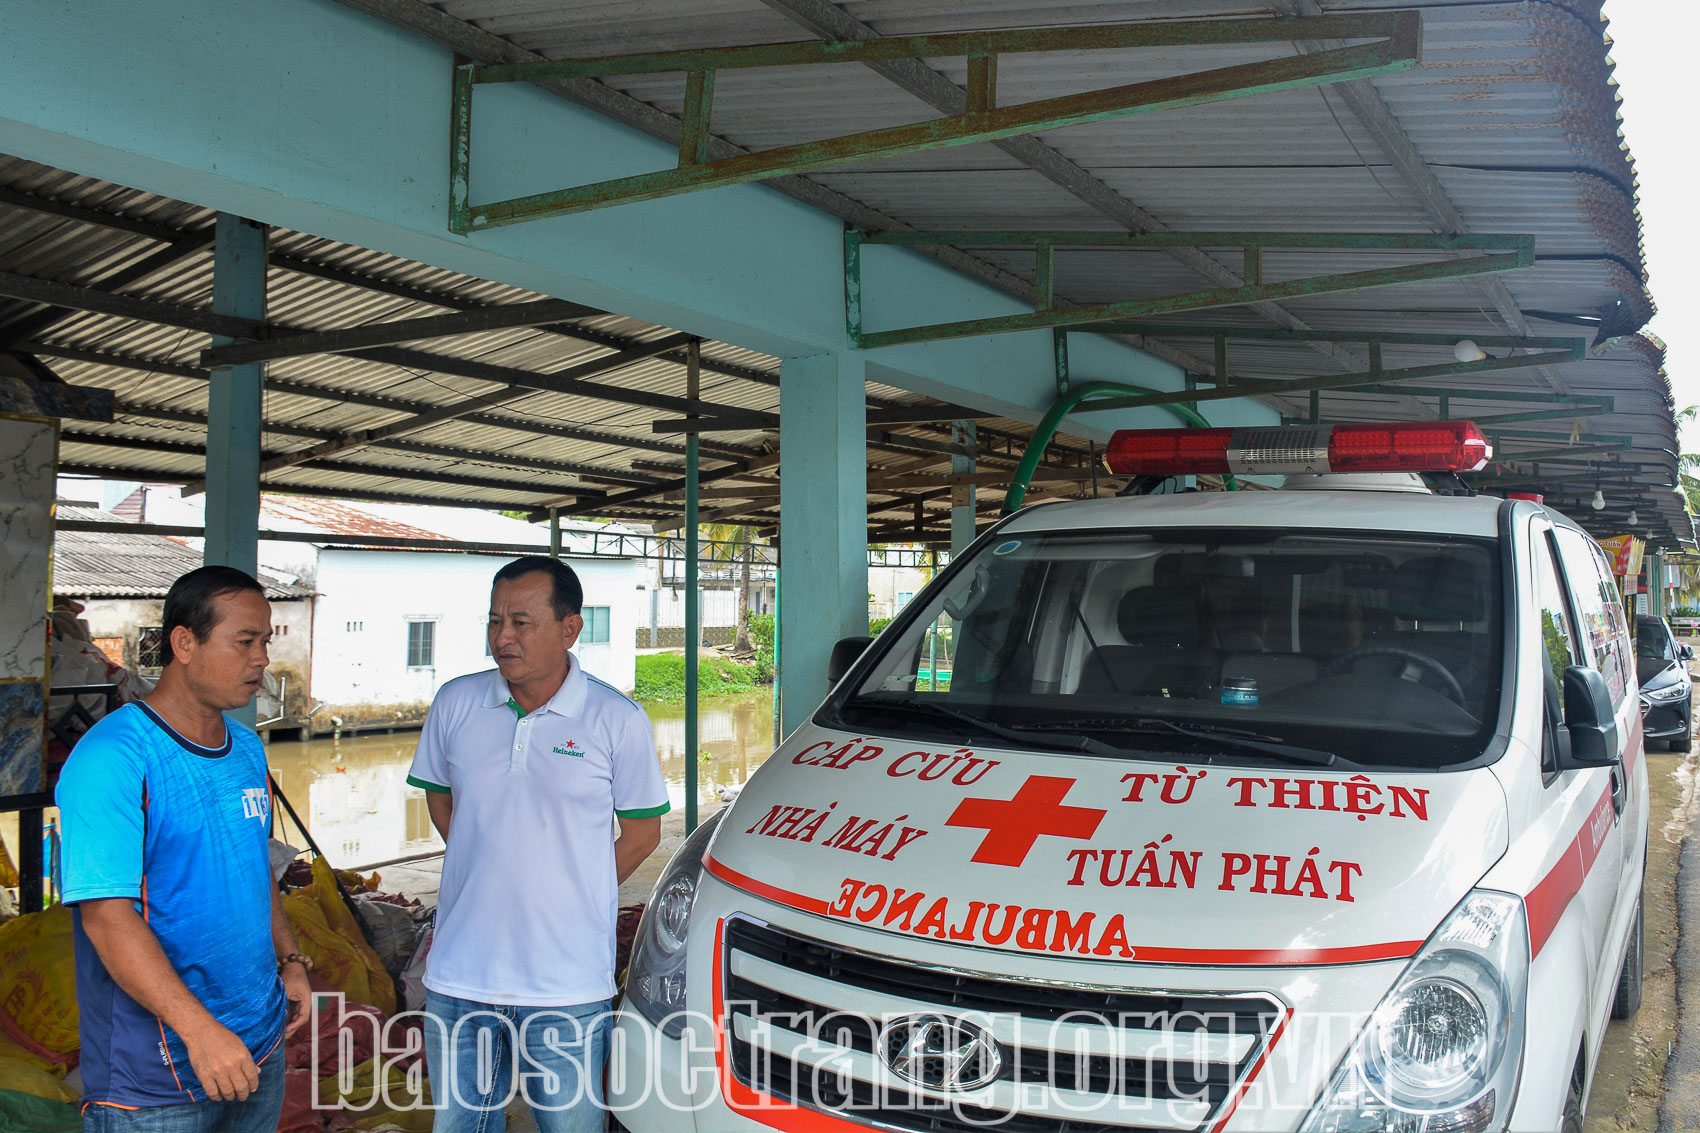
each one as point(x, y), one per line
point(844, 655)
point(1589, 721)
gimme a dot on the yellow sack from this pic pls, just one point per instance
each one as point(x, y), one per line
point(414, 1114)
point(17, 1074)
point(38, 984)
point(327, 932)
point(16, 1050)
point(8, 871)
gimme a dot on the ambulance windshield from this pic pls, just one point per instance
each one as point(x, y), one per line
point(1381, 649)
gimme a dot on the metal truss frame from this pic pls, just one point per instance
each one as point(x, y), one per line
point(1384, 43)
point(1541, 350)
point(1481, 255)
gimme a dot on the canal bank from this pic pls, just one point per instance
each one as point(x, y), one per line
point(353, 796)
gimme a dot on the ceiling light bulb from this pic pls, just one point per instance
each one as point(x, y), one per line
point(1599, 501)
point(1634, 517)
point(1468, 351)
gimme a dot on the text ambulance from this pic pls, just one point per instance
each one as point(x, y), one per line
point(1321, 809)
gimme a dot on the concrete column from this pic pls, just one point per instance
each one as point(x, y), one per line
point(962, 499)
point(233, 402)
point(823, 520)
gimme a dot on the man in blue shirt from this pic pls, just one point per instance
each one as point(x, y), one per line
point(188, 977)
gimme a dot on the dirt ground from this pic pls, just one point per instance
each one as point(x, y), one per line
point(1627, 1081)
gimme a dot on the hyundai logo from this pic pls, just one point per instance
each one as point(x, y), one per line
point(940, 1052)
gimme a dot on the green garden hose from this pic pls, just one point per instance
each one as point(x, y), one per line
point(1065, 405)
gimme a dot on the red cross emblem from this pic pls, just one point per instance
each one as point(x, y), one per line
point(1013, 825)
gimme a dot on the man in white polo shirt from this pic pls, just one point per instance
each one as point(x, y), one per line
point(527, 770)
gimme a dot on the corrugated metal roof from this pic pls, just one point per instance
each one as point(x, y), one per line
point(122, 564)
point(519, 454)
point(1514, 112)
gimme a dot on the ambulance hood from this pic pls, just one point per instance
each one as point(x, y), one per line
point(1110, 859)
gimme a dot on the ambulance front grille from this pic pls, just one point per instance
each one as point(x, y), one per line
point(803, 1019)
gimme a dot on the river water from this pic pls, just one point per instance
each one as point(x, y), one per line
point(352, 792)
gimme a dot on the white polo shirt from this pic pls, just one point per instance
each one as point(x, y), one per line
point(529, 898)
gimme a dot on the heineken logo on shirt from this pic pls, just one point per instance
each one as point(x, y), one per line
point(571, 748)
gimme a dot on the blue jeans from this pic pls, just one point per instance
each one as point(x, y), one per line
point(257, 1113)
point(481, 1056)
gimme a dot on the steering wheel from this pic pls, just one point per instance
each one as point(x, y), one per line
point(1415, 664)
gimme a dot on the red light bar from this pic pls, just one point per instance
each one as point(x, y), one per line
point(1413, 446)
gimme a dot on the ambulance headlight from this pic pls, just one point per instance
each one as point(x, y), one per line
point(1443, 1051)
point(655, 981)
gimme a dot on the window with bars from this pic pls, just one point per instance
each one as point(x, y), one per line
point(421, 644)
point(150, 649)
point(595, 624)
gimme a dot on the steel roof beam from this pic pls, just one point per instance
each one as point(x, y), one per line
point(606, 338)
point(1282, 334)
point(184, 244)
point(207, 322)
point(591, 472)
point(99, 301)
point(386, 542)
point(378, 401)
point(1333, 283)
point(1395, 46)
point(344, 339)
point(561, 382)
point(827, 20)
point(436, 415)
point(748, 422)
point(99, 217)
point(155, 476)
point(1277, 387)
point(172, 255)
point(341, 467)
point(639, 495)
point(432, 24)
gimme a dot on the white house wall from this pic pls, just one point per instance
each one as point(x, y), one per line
point(361, 678)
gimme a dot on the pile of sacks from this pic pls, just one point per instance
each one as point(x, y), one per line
point(41, 1091)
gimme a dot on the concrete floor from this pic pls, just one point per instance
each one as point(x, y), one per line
point(1630, 1074)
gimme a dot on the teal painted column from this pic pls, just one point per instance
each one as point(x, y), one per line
point(963, 433)
point(233, 402)
point(823, 520)
point(234, 410)
point(693, 590)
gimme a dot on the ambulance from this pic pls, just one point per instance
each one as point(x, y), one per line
point(1320, 809)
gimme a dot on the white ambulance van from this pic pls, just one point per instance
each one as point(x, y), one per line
point(1321, 809)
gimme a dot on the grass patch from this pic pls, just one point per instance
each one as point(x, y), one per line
point(661, 677)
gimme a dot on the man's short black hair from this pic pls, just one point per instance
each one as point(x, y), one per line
point(567, 593)
point(192, 601)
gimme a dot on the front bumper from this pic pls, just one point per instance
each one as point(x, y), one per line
point(689, 1085)
point(1661, 721)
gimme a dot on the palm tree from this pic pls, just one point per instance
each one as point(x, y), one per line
point(1688, 466)
point(732, 543)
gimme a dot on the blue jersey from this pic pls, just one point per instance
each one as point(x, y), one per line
point(182, 830)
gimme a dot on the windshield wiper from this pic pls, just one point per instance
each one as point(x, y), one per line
point(1014, 735)
point(1238, 738)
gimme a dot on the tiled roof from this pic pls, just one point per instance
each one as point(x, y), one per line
point(108, 564)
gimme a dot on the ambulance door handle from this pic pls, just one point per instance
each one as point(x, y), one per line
point(1619, 790)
